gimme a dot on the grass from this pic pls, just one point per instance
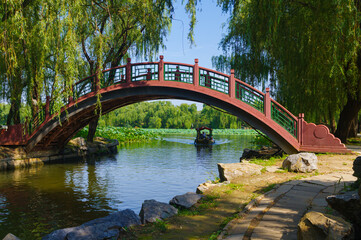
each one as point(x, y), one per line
point(298, 177)
point(160, 226)
point(188, 212)
point(268, 188)
point(213, 177)
point(266, 162)
point(209, 201)
point(354, 141)
point(234, 187)
point(215, 235)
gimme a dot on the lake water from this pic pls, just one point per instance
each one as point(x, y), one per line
point(36, 201)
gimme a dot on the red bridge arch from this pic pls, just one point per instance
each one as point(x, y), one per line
point(138, 82)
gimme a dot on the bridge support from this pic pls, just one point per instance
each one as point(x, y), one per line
point(317, 138)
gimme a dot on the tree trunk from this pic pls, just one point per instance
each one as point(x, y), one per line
point(92, 129)
point(332, 121)
point(14, 113)
point(353, 128)
point(347, 115)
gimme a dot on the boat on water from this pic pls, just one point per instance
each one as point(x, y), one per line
point(204, 137)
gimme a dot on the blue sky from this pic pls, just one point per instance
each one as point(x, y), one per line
point(208, 33)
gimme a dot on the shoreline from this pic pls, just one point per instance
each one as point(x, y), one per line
point(212, 217)
point(17, 158)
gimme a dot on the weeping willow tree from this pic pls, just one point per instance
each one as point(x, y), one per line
point(39, 52)
point(110, 31)
point(47, 45)
point(307, 51)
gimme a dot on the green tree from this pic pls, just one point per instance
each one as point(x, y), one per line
point(44, 45)
point(155, 122)
point(308, 52)
point(39, 51)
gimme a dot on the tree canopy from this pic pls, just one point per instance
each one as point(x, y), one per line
point(47, 45)
point(164, 114)
point(307, 51)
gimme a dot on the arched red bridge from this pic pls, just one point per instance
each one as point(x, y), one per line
point(131, 83)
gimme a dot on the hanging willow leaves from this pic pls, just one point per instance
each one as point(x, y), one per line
point(308, 51)
point(47, 45)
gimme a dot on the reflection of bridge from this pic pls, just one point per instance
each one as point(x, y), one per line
point(131, 83)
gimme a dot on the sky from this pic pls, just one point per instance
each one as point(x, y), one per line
point(208, 33)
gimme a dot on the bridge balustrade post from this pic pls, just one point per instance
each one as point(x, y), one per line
point(300, 128)
point(196, 73)
point(47, 105)
point(267, 104)
point(128, 73)
point(231, 84)
point(161, 69)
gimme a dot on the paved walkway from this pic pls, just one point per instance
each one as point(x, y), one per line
point(276, 214)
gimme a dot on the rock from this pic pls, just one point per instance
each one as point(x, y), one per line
point(301, 162)
point(11, 236)
point(186, 200)
point(208, 185)
point(229, 171)
point(60, 234)
point(98, 229)
point(357, 167)
point(153, 210)
point(315, 225)
point(264, 152)
point(348, 205)
point(97, 147)
point(80, 143)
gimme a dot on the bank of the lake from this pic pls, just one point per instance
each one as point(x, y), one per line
point(35, 201)
point(227, 202)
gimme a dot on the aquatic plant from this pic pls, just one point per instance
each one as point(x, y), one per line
point(122, 134)
point(162, 131)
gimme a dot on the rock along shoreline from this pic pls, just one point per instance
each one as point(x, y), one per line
point(78, 148)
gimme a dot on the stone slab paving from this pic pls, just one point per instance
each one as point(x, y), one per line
point(276, 214)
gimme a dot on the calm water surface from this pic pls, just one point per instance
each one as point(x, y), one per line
point(35, 201)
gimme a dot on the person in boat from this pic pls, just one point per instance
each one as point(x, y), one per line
point(203, 135)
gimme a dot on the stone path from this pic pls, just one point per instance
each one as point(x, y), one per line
point(276, 214)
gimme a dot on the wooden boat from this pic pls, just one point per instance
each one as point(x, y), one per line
point(204, 139)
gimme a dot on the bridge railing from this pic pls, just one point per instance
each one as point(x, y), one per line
point(113, 76)
point(178, 72)
point(214, 80)
point(37, 120)
point(144, 72)
point(84, 87)
point(250, 95)
point(284, 118)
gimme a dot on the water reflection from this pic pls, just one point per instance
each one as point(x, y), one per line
point(36, 201)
